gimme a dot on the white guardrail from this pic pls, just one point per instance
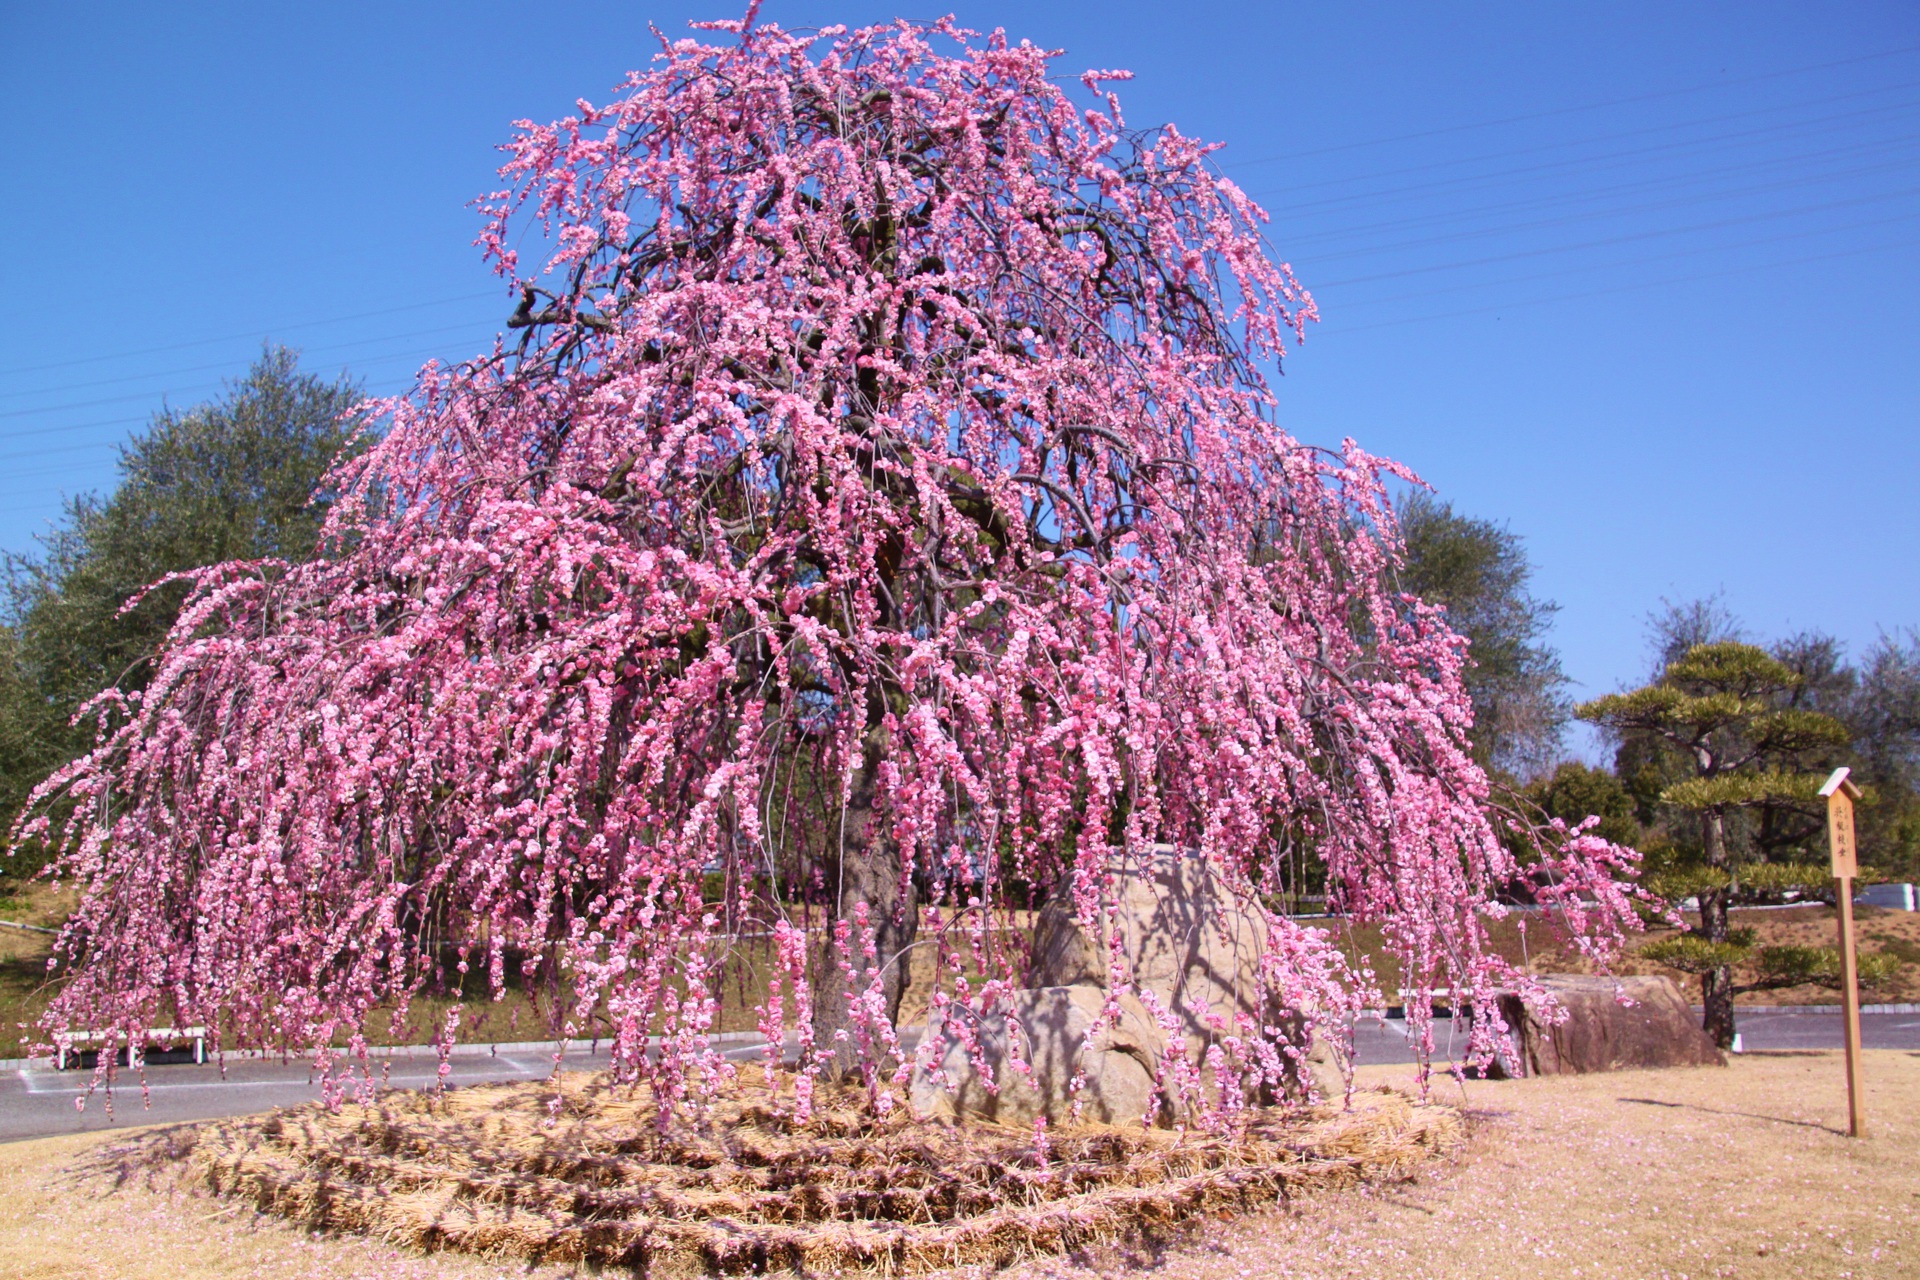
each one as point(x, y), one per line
point(79, 1042)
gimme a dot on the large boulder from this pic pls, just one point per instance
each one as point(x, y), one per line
point(1051, 1026)
point(1192, 940)
point(1185, 936)
point(1651, 1027)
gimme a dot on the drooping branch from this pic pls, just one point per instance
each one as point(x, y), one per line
point(880, 511)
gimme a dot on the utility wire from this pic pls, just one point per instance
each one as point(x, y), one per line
point(227, 365)
point(1819, 124)
point(1801, 126)
point(1666, 182)
point(1621, 239)
point(1630, 263)
point(1624, 288)
point(1321, 285)
point(250, 333)
point(1591, 106)
point(370, 362)
point(1360, 304)
point(1618, 212)
point(1291, 208)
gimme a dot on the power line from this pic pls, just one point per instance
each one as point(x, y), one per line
point(305, 352)
point(250, 333)
point(371, 362)
point(1619, 265)
point(1818, 124)
point(1798, 126)
point(1625, 288)
point(1670, 181)
point(1801, 125)
point(1621, 239)
point(1424, 270)
point(1368, 303)
point(1617, 212)
point(1387, 324)
point(1591, 106)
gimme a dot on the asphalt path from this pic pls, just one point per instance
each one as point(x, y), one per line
point(38, 1101)
point(1377, 1041)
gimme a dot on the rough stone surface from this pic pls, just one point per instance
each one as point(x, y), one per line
point(1601, 1034)
point(1185, 935)
point(1119, 1063)
point(1189, 939)
point(1320, 1071)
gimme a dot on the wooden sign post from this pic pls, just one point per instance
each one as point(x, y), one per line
point(1841, 794)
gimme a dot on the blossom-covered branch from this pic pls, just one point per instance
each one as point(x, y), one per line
point(878, 519)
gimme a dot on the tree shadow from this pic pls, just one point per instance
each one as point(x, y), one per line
point(1744, 1115)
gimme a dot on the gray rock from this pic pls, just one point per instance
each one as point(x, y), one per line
point(1601, 1034)
point(1316, 1072)
point(1190, 939)
point(1119, 1063)
point(1185, 935)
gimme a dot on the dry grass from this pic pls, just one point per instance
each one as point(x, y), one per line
point(1690, 1173)
point(1680, 1174)
point(580, 1173)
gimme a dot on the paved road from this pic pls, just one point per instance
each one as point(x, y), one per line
point(39, 1102)
point(1377, 1042)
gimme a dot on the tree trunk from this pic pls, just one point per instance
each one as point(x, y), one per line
point(1716, 984)
point(863, 866)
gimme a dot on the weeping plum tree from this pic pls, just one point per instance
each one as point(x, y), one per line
point(879, 510)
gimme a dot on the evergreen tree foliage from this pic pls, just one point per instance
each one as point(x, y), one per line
point(231, 479)
point(1884, 715)
point(1738, 765)
point(1479, 571)
point(1575, 792)
point(1879, 702)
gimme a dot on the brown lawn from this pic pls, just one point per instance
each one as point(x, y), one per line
point(1739, 1172)
point(1683, 1174)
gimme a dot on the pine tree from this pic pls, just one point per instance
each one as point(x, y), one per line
point(1719, 716)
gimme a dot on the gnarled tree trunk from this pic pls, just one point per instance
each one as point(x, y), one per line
point(862, 864)
point(1716, 984)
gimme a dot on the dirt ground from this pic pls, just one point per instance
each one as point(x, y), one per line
point(1685, 1174)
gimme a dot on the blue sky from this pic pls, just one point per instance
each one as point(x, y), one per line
point(1634, 278)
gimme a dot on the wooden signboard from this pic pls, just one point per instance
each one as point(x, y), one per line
point(1841, 794)
point(1846, 859)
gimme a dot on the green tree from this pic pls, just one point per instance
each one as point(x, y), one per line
point(1885, 718)
point(1879, 702)
point(231, 479)
point(1743, 763)
point(1479, 571)
point(1575, 792)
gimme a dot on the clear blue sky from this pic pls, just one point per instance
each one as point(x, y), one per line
point(1635, 278)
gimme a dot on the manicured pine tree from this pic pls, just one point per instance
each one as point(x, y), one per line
point(1717, 712)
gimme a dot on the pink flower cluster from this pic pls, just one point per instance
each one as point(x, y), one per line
point(883, 426)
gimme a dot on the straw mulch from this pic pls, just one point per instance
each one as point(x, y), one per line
point(576, 1171)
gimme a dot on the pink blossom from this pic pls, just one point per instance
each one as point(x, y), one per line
point(880, 416)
